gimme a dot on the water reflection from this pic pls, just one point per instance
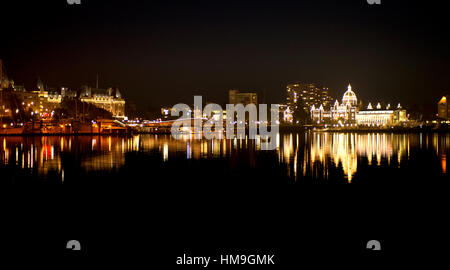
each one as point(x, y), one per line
point(343, 150)
point(314, 155)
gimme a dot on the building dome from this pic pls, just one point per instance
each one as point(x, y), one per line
point(349, 97)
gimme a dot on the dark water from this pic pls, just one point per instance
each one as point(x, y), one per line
point(299, 158)
point(154, 197)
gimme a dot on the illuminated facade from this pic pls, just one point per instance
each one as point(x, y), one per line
point(42, 101)
point(381, 117)
point(443, 108)
point(342, 113)
point(108, 99)
point(348, 113)
point(309, 93)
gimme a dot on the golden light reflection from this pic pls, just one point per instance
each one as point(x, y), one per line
point(165, 151)
point(343, 150)
point(304, 155)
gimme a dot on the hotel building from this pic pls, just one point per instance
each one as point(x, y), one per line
point(108, 99)
point(43, 101)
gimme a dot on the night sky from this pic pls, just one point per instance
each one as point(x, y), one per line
point(164, 52)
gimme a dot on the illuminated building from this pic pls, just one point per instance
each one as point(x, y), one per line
point(43, 101)
point(443, 108)
point(285, 113)
point(108, 99)
point(348, 113)
point(338, 113)
point(381, 117)
point(40, 101)
point(236, 97)
point(311, 94)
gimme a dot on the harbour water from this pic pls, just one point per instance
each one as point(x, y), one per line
point(313, 190)
point(299, 158)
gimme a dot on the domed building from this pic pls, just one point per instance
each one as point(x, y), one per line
point(350, 97)
point(344, 113)
point(348, 114)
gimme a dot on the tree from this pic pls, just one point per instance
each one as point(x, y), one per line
point(74, 108)
point(300, 114)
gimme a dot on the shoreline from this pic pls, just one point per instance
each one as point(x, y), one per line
point(286, 129)
point(283, 130)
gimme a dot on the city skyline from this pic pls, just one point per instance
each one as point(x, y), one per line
point(224, 133)
point(151, 49)
point(313, 94)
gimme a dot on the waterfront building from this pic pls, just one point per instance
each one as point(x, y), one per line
point(310, 93)
point(381, 116)
point(41, 101)
point(348, 113)
point(108, 99)
point(236, 97)
point(343, 113)
point(443, 108)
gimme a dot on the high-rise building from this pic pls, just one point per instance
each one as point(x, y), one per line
point(310, 93)
point(443, 108)
point(236, 97)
